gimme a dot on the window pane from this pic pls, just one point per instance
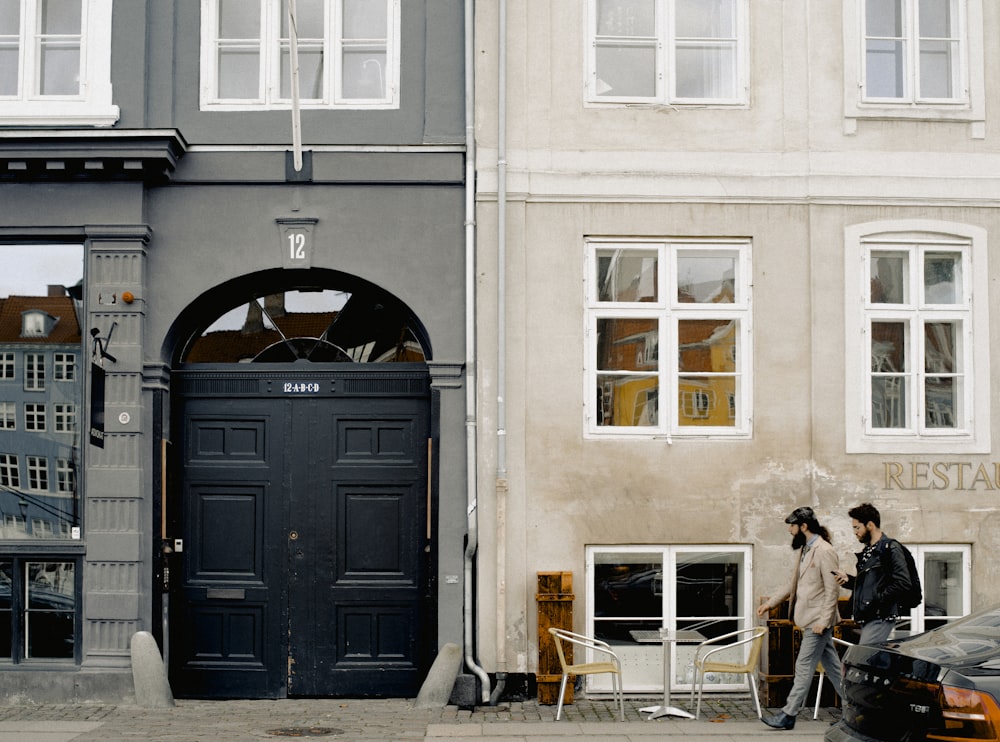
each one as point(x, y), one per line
point(9, 71)
point(365, 19)
point(59, 69)
point(48, 282)
point(705, 71)
point(943, 278)
point(627, 400)
point(6, 615)
point(938, 18)
point(239, 19)
point(706, 279)
point(626, 71)
point(627, 275)
point(626, 18)
point(889, 273)
point(889, 347)
point(706, 400)
point(707, 345)
point(939, 69)
point(627, 344)
point(940, 339)
point(884, 18)
point(888, 389)
point(628, 585)
point(239, 73)
point(10, 17)
point(60, 17)
point(941, 402)
point(943, 584)
point(310, 73)
point(709, 585)
point(309, 18)
point(363, 74)
point(705, 19)
point(885, 74)
point(51, 609)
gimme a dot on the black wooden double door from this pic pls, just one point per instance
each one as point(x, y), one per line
point(305, 546)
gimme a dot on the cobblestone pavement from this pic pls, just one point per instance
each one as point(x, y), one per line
point(383, 720)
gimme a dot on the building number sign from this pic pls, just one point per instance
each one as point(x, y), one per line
point(295, 240)
point(300, 387)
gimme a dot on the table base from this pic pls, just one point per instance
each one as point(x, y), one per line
point(657, 712)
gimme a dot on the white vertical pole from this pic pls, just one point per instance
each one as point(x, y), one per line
point(293, 44)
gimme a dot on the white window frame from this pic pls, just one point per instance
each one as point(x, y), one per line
point(64, 417)
point(64, 367)
point(38, 473)
point(34, 372)
point(8, 415)
point(10, 474)
point(652, 654)
point(973, 436)
point(65, 476)
point(93, 105)
point(35, 417)
point(969, 105)
point(665, 46)
point(669, 312)
point(270, 46)
point(8, 365)
point(917, 621)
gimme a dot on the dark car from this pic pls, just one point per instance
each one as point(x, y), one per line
point(943, 684)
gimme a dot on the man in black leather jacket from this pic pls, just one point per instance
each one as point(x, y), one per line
point(882, 576)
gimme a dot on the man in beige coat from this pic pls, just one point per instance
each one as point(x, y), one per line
point(813, 591)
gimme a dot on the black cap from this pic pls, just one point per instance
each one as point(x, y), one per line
point(801, 515)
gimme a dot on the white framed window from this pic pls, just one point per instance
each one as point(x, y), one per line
point(634, 588)
point(64, 418)
point(10, 475)
point(38, 473)
point(7, 365)
point(34, 372)
point(946, 580)
point(64, 367)
point(914, 59)
point(668, 338)
point(8, 416)
point(34, 416)
point(917, 338)
point(55, 63)
point(348, 52)
point(65, 476)
point(667, 51)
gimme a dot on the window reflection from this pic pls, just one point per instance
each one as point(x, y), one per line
point(312, 326)
point(50, 609)
point(40, 390)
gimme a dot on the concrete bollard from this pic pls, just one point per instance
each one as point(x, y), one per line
point(152, 689)
point(436, 690)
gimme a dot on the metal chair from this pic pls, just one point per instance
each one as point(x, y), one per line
point(822, 674)
point(612, 665)
point(752, 638)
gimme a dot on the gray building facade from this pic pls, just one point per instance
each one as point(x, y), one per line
point(273, 481)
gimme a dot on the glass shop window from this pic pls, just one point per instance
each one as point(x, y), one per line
point(37, 609)
point(41, 292)
point(633, 591)
point(946, 580)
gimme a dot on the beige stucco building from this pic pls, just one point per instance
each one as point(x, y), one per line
point(744, 265)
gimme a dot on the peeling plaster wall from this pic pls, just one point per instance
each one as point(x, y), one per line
point(781, 172)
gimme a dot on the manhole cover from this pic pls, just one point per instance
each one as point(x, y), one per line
point(305, 732)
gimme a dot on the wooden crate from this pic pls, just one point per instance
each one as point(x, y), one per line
point(555, 609)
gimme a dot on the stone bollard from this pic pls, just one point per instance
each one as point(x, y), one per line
point(152, 689)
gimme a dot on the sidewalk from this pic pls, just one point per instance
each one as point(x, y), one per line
point(723, 720)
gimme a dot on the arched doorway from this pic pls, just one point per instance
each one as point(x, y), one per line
point(301, 489)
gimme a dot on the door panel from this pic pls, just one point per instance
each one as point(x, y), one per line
point(304, 570)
